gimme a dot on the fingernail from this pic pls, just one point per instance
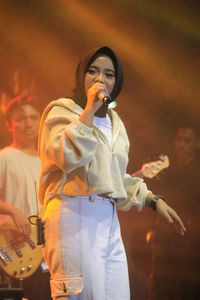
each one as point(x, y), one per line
point(171, 221)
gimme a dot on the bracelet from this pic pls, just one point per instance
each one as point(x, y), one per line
point(153, 202)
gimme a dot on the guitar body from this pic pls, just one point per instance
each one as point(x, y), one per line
point(20, 256)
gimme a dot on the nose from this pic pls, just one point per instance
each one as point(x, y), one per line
point(99, 77)
point(28, 122)
point(181, 144)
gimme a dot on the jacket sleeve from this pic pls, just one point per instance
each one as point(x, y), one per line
point(137, 193)
point(66, 142)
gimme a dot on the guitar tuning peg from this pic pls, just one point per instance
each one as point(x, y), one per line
point(146, 159)
point(162, 157)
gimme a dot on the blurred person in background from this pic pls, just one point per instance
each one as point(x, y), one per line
point(175, 261)
point(19, 171)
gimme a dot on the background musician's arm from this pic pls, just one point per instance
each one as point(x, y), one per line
point(20, 220)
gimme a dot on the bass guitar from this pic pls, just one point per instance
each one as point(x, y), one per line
point(20, 256)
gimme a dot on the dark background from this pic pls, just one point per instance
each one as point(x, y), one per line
point(158, 43)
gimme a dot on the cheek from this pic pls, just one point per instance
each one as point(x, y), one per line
point(36, 124)
point(111, 85)
point(177, 145)
point(18, 131)
point(192, 147)
point(87, 82)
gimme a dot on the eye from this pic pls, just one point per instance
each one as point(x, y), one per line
point(20, 119)
point(34, 118)
point(110, 75)
point(91, 71)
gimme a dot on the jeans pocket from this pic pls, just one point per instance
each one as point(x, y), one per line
point(63, 286)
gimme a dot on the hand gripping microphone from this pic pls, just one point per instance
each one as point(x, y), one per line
point(104, 97)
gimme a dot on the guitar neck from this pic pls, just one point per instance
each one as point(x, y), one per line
point(151, 169)
point(138, 174)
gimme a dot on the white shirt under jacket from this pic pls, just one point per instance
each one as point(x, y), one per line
point(78, 160)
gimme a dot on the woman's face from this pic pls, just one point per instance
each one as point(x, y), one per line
point(101, 70)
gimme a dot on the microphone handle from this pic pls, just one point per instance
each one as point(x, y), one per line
point(104, 97)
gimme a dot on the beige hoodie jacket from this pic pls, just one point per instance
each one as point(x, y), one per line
point(78, 161)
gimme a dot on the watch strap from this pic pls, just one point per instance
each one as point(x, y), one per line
point(153, 202)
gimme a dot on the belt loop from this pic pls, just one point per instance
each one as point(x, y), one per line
point(112, 201)
point(91, 198)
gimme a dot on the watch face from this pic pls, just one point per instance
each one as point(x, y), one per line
point(153, 203)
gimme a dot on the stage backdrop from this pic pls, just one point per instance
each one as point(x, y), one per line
point(158, 43)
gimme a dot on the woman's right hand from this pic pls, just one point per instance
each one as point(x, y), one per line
point(93, 102)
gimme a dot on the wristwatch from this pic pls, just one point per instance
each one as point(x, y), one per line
point(153, 202)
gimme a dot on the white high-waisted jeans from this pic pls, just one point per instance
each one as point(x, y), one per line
point(84, 249)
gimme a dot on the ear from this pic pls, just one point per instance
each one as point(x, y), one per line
point(8, 126)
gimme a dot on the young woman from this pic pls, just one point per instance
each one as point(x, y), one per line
point(84, 148)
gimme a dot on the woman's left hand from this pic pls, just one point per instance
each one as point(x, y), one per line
point(168, 213)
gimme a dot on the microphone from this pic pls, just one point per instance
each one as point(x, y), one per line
point(104, 97)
